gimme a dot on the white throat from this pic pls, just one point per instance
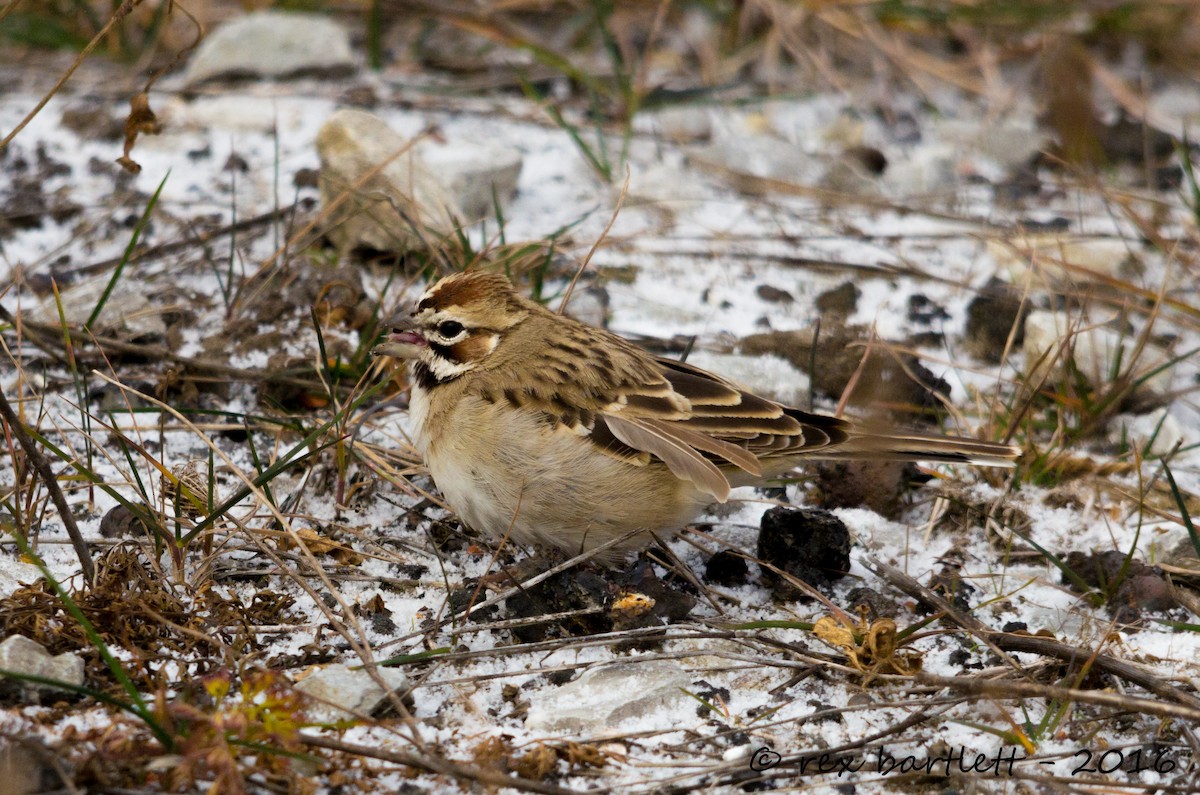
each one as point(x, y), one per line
point(444, 369)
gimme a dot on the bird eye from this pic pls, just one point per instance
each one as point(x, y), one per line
point(450, 328)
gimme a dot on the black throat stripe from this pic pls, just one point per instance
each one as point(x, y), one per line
point(445, 351)
point(424, 376)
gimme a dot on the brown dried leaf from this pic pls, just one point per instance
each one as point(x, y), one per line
point(141, 120)
point(318, 544)
point(372, 607)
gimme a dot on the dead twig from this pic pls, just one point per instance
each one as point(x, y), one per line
point(1000, 688)
point(196, 242)
point(118, 14)
point(1048, 647)
point(1004, 642)
point(42, 466)
point(45, 338)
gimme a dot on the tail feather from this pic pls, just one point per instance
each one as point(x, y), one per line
point(918, 447)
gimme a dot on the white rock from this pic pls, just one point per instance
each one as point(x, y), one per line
point(339, 691)
point(1058, 259)
point(736, 753)
point(471, 171)
point(1097, 351)
point(19, 654)
point(668, 185)
point(602, 698)
point(127, 311)
point(381, 212)
point(928, 168)
point(273, 44)
point(764, 157)
point(1010, 144)
point(683, 123)
point(1159, 429)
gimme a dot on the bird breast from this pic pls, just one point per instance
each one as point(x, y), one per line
point(512, 472)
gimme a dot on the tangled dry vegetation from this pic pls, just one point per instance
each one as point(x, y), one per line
point(216, 509)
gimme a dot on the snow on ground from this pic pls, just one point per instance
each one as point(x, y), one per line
point(697, 259)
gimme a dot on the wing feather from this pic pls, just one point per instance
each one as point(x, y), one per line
point(683, 460)
point(639, 408)
point(734, 454)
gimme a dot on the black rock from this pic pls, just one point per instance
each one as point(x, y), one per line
point(774, 295)
point(924, 311)
point(809, 544)
point(841, 300)
point(994, 314)
point(726, 568)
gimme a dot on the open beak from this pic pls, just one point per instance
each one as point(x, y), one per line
point(403, 343)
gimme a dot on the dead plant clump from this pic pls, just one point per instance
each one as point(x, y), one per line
point(229, 735)
point(135, 606)
point(541, 761)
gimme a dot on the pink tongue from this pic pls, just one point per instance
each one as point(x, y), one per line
point(407, 337)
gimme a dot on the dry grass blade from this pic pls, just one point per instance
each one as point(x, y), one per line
point(49, 339)
point(562, 306)
point(118, 14)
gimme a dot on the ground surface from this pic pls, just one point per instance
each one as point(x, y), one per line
point(729, 230)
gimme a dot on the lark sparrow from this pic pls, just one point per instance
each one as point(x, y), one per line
point(537, 427)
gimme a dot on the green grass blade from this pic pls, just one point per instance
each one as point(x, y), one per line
point(133, 241)
point(294, 456)
point(1183, 511)
point(408, 659)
